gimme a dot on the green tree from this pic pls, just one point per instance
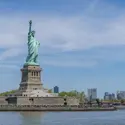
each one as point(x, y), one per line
point(8, 93)
point(73, 93)
point(63, 94)
point(82, 98)
point(122, 101)
point(98, 102)
point(50, 91)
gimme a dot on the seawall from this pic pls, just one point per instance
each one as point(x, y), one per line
point(50, 108)
point(120, 107)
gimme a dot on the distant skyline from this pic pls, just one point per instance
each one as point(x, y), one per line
point(82, 43)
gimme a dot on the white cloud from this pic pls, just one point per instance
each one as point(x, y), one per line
point(11, 53)
point(66, 33)
point(60, 33)
point(86, 58)
point(70, 63)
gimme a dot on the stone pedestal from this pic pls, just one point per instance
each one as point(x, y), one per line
point(30, 80)
point(31, 85)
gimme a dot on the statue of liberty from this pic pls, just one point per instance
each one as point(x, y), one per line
point(33, 45)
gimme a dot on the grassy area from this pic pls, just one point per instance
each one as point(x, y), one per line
point(8, 93)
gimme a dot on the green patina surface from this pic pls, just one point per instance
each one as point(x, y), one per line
point(33, 45)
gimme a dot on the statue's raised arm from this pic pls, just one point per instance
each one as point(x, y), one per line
point(30, 25)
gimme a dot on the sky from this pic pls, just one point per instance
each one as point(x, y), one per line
point(82, 43)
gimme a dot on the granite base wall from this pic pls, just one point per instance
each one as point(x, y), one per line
point(3, 100)
point(48, 101)
point(72, 101)
point(40, 101)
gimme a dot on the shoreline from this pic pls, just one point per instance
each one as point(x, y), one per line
point(52, 108)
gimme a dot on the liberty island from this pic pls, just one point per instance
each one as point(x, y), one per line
point(31, 90)
point(32, 96)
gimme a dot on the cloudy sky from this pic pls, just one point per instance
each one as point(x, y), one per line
point(82, 43)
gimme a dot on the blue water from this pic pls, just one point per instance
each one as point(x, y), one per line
point(63, 118)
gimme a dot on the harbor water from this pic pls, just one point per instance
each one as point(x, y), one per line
point(63, 118)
